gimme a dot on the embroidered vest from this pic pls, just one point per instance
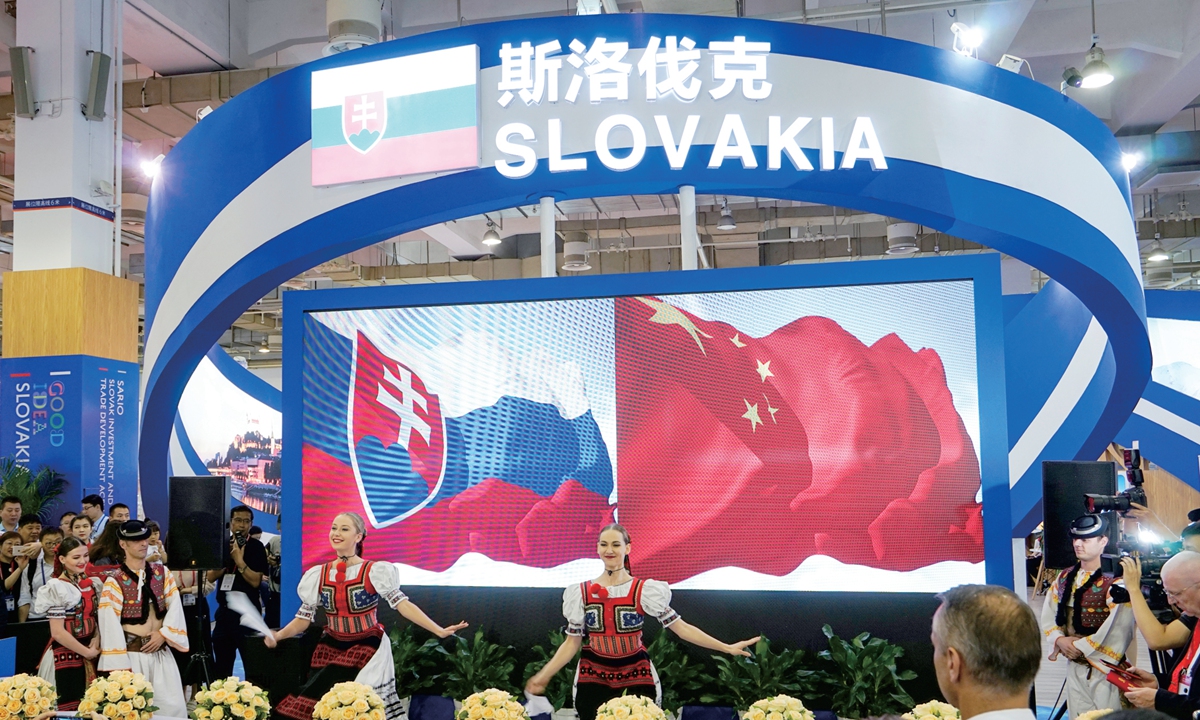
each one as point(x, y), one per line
point(612, 627)
point(81, 620)
point(350, 604)
point(1091, 607)
point(154, 596)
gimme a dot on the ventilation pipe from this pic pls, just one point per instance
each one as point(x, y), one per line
point(352, 24)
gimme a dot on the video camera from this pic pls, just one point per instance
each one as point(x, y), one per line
point(1122, 502)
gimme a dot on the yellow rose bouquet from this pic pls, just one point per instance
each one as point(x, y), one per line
point(123, 695)
point(231, 699)
point(24, 697)
point(491, 704)
point(932, 710)
point(348, 701)
point(780, 707)
point(630, 707)
point(1093, 714)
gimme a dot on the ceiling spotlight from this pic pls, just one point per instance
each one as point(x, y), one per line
point(491, 237)
point(1071, 78)
point(1130, 161)
point(1095, 72)
point(265, 347)
point(726, 222)
point(1157, 253)
point(967, 39)
point(150, 168)
point(1012, 63)
point(902, 238)
point(575, 252)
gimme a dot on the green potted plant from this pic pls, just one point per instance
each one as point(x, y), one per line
point(417, 666)
point(559, 688)
point(37, 491)
point(742, 681)
point(683, 678)
point(861, 676)
point(476, 664)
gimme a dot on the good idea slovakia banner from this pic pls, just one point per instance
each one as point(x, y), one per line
point(563, 103)
point(77, 415)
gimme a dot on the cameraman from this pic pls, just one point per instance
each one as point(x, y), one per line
point(1181, 697)
point(1174, 634)
point(243, 572)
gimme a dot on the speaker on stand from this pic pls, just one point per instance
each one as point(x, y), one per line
point(1064, 486)
point(196, 540)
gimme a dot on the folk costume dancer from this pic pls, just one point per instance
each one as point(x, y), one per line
point(70, 602)
point(604, 625)
point(1083, 623)
point(141, 616)
point(353, 645)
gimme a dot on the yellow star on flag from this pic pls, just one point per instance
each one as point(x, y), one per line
point(665, 314)
point(736, 340)
point(752, 415)
point(764, 369)
point(771, 409)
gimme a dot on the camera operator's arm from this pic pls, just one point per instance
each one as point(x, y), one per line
point(1158, 636)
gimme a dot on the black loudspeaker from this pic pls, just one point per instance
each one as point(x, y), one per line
point(93, 109)
point(22, 81)
point(196, 533)
point(1064, 485)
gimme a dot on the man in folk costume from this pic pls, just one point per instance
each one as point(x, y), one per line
point(140, 616)
point(1085, 624)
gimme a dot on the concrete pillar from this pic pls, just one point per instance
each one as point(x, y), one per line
point(689, 239)
point(64, 163)
point(546, 214)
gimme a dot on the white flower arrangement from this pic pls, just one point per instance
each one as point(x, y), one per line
point(630, 707)
point(231, 699)
point(123, 695)
point(780, 707)
point(933, 710)
point(349, 701)
point(491, 704)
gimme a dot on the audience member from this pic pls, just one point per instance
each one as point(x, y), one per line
point(243, 572)
point(156, 552)
point(987, 646)
point(271, 608)
point(93, 508)
point(1181, 698)
point(11, 566)
point(39, 571)
point(105, 553)
point(10, 513)
point(64, 522)
point(30, 528)
point(1136, 714)
point(119, 513)
point(81, 528)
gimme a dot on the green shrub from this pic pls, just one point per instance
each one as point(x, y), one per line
point(741, 681)
point(477, 665)
point(417, 662)
point(682, 678)
point(862, 678)
point(559, 687)
point(37, 492)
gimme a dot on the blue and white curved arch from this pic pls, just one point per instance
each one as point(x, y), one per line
point(972, 151)
point(1166, 421)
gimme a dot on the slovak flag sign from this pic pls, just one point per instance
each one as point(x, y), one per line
point(364, 120)
point(393, 412)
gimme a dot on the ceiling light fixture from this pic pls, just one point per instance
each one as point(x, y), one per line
point(1095, 71)
point(1157, 253)
point(726, 222)
point(575, 252)
point(967, 39)
point(265, 347)
point(491, 237)
point(151, 168)
point(902, 238)
point(1130, 161)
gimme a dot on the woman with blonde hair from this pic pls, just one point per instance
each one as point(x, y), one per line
point(353, 646)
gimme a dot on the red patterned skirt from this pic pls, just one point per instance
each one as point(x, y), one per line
point(338, 658)
point(602, 678)
point(72, 674)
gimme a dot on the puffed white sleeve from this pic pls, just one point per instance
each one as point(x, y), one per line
point(309, 590)
point(656, 601)
point(113, 653)
point(386, 580)
point(174, 628)
point(55, 598)
point(573, 610)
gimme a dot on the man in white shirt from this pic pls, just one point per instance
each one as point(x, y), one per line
point(986, 650)
point(37, 573)
point(93, 507)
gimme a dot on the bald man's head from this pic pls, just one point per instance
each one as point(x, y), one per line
point(1180, 577)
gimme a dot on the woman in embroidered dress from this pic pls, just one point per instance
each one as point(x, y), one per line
point(604, 624)
point(69, 602)
point(353, 646)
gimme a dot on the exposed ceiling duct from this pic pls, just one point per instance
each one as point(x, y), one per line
point(352, 24)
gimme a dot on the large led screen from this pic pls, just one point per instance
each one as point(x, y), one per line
point(1175, 345)
point(797, 439)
